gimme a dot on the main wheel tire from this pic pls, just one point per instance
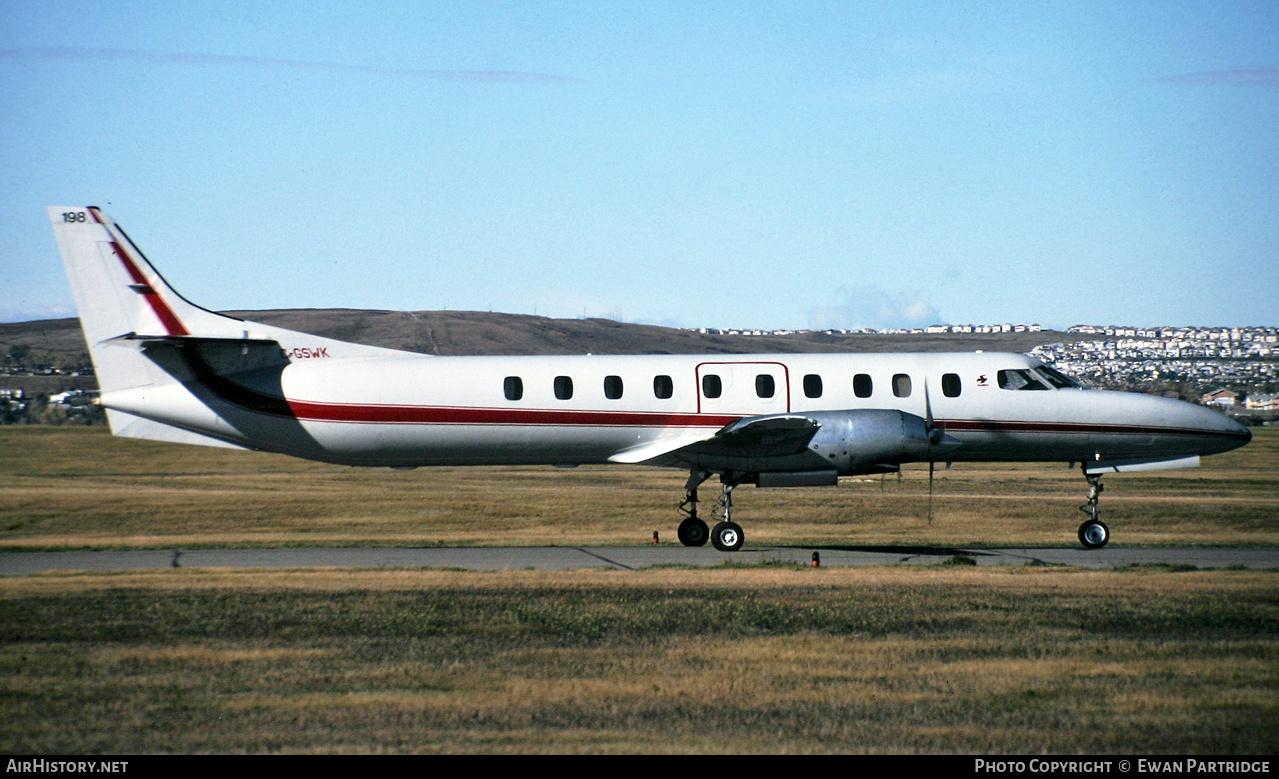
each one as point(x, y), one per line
point(1094, 534)
point(693, 532)
point(727, 537)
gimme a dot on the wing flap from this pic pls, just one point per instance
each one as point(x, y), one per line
point(662, 446)
point(774, 435)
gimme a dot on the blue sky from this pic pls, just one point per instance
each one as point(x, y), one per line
point(702, 164)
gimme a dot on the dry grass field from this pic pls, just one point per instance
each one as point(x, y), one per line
point(730, 660)
point(746, 658)
point(65, 487)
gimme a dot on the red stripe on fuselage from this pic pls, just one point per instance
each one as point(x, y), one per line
point(459, 415)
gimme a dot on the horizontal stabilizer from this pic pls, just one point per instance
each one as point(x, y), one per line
point(180, 340)
point(223, 355)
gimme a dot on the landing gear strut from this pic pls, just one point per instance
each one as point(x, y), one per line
point(1093, 533)
point(727, 536)
point(692, 531)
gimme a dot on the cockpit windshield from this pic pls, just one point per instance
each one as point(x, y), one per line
point(1020, 379)
point(1041, 377)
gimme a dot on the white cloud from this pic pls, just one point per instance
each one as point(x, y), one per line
point(475, 76)
point(874, 307)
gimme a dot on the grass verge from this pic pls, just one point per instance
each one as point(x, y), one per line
point(765, 659)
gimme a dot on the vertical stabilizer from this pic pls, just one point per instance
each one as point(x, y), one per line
point(161, 360)
point(120, 296)
point(117, 290)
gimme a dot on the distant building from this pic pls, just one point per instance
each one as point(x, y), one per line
point(1222, 398)
point(1262, 403)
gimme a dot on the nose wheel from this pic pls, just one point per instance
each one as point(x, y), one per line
point(1093, 533)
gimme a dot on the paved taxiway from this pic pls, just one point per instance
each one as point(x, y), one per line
point(619, 557)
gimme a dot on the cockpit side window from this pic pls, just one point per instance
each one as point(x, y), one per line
point(1057, 378)
point(1020, 379)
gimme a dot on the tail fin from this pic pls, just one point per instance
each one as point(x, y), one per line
point(120, 295)
point(135, 322)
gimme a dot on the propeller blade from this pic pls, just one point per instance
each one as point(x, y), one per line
point(930, 427)
point(928, 412)
point(931, 464)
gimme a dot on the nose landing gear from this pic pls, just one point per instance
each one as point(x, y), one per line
point(1093, 533)
point(727, 536)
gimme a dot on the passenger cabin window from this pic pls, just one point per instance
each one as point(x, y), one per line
point(1020, 379)
point(862, 385)
point(950, 385)
point(712, 386)
point(812, 386)
point(663, 387)
point(612, 387)
point(513, 386)
point(901, 385)
point(765, 386)
point(563, 387)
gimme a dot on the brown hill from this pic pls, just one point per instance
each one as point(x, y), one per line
point(475, 332)
point(59, 342)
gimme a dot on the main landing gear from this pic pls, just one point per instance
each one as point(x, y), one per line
point(1093, 533)
point(692, 531)
point(727, 536)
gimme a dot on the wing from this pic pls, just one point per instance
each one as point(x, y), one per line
point(754, 438)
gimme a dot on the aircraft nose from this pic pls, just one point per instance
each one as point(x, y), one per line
point(1223, 432)
point(1241, 430)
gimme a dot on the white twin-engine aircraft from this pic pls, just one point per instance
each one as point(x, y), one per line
point(172, 371)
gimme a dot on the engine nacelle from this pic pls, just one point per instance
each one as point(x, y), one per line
point(864, 438)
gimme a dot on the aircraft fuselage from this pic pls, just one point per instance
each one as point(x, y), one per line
point(418, 410)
